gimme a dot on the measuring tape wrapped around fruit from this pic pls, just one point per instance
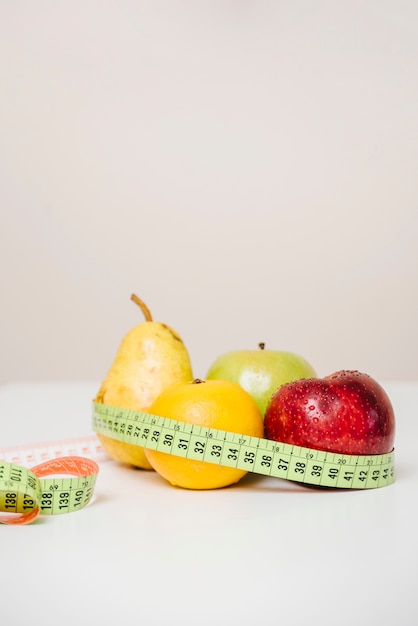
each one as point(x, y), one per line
point(204, 434)
point(152, 374)
point(183, 433)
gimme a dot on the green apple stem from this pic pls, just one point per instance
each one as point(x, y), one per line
point(145, 310)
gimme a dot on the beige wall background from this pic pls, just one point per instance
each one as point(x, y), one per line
point(248, 168)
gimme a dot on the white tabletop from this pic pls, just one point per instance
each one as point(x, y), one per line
point(264, 552)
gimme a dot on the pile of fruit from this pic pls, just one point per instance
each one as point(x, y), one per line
point(259, 393)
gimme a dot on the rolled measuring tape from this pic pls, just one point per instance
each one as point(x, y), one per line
point(253, 454)
point(45, 489)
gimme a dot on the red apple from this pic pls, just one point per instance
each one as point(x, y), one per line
point(347, 412)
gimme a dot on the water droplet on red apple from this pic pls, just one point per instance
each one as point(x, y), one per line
point(311, 407)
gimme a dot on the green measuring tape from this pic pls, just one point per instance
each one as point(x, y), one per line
point(45, 489)
point(253, 454)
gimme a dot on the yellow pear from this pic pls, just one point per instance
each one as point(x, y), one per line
point(150, 358)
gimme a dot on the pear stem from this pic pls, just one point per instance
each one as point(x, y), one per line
point(145, 310)
point(261, 345)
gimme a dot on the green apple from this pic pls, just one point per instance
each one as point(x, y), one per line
point(260, 372)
